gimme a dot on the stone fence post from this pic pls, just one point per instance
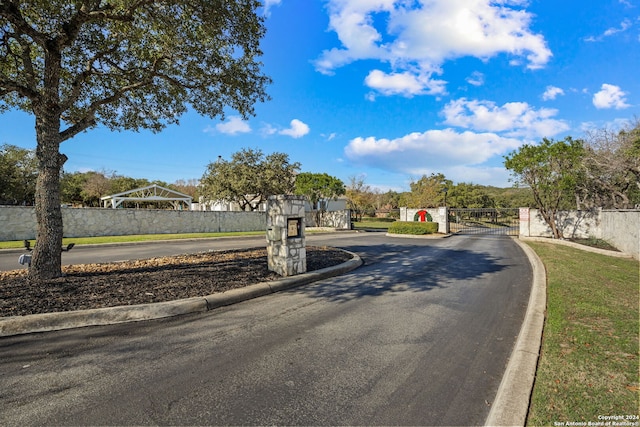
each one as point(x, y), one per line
point(286, 249)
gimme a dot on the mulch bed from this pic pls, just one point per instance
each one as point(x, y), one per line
point(89, 286)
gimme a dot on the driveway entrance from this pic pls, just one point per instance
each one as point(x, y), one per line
point(505, 222)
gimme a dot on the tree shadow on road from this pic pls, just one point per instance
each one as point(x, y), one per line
point(404, 268)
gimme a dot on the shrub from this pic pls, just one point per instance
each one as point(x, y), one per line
point(375, 219)
point(416, 228)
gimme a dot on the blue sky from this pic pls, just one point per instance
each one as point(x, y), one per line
point(389, 90)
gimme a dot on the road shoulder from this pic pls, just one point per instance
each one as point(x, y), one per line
point(511, 404)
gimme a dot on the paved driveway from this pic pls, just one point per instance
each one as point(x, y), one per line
point(419, 335)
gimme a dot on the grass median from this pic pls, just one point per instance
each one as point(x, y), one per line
point(371, 225)
point(588, 368)
point(18, 244)
point(15, 244)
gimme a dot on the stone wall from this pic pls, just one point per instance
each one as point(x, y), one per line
point(620, 228)
point(19, 223)
point(438, 215)
point(333, 219)
point(572, 224)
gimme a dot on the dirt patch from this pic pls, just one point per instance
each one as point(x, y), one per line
point(89, 286)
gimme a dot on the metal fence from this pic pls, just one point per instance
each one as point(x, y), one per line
point(503, 222)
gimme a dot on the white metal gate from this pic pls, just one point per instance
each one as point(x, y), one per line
point(505, 222)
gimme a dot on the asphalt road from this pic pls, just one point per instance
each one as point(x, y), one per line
point(419, 335)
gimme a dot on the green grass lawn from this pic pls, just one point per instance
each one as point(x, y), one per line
point(589, 366)
point(377, 225)
point(16, 244)
point(133, 238)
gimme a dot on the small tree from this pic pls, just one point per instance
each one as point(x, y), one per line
point(249, 178)
point(551, 169)
point(18, 175)
point(360, 197)
point(319, 188)
point(124, 65)
point(189, 187)
point(429, 191)
point(98, 184)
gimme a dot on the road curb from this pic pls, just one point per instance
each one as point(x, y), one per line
point(578, 246)
point(511, 404)
point(19, 325)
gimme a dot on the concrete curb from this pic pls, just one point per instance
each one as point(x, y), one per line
point(578, 246)
point(511, 404)
point(18, 325)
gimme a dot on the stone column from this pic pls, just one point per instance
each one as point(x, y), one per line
point(286, 250)
point(525, 215)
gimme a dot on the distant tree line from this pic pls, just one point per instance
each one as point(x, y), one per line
point(430, 191)
point(603, 170)
point(86, 188)
point(19, 173)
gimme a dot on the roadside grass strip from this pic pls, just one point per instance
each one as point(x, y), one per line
point(13, 244)
point(378, 225)
point(588, 372)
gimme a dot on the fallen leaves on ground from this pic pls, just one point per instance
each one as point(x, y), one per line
point(151, 280)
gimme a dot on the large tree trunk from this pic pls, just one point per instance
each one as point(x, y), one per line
point(47, 254)
point(550, 219)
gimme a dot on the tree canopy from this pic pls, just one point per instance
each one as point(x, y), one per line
point(467, 195)
point(86, 188)
point(552, 170)
point(18, 174)
point(611, 169)
point(249, 178)
point(319, 188)
point(360, 197)
point(123, 65)
point(429, 191)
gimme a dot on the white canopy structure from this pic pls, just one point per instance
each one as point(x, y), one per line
point(152, 193)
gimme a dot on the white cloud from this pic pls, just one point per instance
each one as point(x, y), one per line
point(551, 93)
point(268, 129)
point(476, 78)
point(434, 149)
point(268, 4)
point(514, 119)
point(487, 175)
point(416, 51)
point(405, 83)
point(610, 96)
point(298, 129)
point(613, 125)
point(624, 26)
point(233, 126)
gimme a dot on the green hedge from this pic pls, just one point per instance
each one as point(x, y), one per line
point(375, 219)
point(412, 227)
